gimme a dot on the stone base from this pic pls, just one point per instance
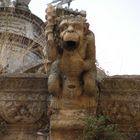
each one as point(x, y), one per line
point(66, 123)
point(65, 134)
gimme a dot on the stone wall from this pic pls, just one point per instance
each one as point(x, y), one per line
point(120, 102)
point(23, 106)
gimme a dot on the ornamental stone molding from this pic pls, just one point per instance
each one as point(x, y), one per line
point(22, 23)
point(71, 53)
point(23, 104)
point(22, 39)
point(120, 101)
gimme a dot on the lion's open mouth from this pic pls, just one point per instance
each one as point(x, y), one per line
point(70, 45)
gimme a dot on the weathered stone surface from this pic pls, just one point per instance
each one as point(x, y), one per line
point(15, 53)
point(71, 71)
point(5, 3)
point(22, 39)
point(120, 101)
point(23, 103)
point(23, 1)
point(23, 23)
point(71, 52)
point(23, 98)
point(67, 114)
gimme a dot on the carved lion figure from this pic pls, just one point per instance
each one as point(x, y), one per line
point(73, 70)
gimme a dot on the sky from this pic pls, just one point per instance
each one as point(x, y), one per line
point(116, 25)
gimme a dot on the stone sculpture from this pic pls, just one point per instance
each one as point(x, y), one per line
point(71, 53)
point(26, 2)
point(5, 3)
point(22, 4)
point(15, 3)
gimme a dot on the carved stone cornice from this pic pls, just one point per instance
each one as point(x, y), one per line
point(21, 13)
point(23, 23)
point(122, 83)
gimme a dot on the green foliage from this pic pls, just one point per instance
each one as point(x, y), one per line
point(3, 127)
point(98, 128)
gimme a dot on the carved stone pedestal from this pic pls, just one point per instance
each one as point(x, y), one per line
point(66, 121)
point(23, 104)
